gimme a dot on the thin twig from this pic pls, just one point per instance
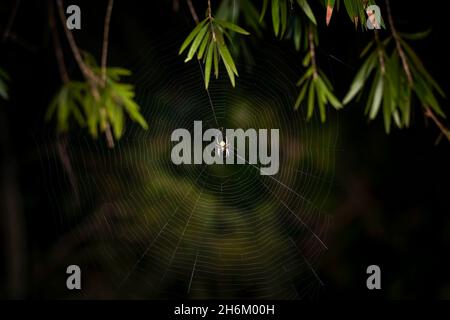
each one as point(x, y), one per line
point(106, 39)
point(380, 53)
point(11, 21)
point(312, 52)
point(209, 9)
point(192, 10)
point(430, 114)
point(57, 44)
point(398, 45)
point(88, 74)
point(62, 140)
point(427, 111)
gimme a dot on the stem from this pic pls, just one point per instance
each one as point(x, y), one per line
point(11, 21)
point(57, 44)
point(398, 45)
point(62, 141)
point(380, 53)
point(106, 39)
point(90, 77)
point(429, 113)
point(88, 74)
point(210, 20)
point(209, 10)
point(192, 10)
point(312, 52)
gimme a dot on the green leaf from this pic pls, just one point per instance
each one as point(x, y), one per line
point(283, 17)
point(227, 59)
point(196, 43)
point(192, 35)
point(216, 60)
point(417, 63)
point(203, 46)
point(307, 10)
point(3, 87)
point(361, 78)
point(310, 101)
point(416, 36)
point(307, 75)
point(377, 98)
point(301, 96)
point(208, 63)
point(276, 16)
point(321, 99)
point(264, 9)
point(231, 26)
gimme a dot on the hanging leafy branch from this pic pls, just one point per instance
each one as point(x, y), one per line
point(207, 43)
point(101, 101)
point(391, 79)
point(315, 88)
point(395, 76)
point(4, 78)
point(98, 109)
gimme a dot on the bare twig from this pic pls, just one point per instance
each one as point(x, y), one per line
point(11, 21)
point(57, 44)
point(106, 39)
point(192, 10)
point(430, 114)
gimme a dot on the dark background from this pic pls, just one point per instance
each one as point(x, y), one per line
point(391, 205)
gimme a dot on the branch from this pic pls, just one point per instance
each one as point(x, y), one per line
point(312, 52)
point(209, 10)
point(62, 141)
point(11, 21)
point(90, 77)
point(192, 10)
point(106, 39)
point(427, 111)
point(445, 131)
point(88, 74)
point(398, 45)
point(57, 44)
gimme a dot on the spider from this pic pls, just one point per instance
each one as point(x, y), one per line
point(223, 146)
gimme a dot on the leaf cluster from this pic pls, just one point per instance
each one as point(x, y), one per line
point(99, 109)
point(390, 87)
point(280, 16)
point(207, 43)
point(315, 90)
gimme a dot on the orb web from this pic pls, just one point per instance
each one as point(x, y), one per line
point(159, 230)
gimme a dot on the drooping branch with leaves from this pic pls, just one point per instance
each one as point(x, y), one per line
point(101, 100)
point(392, 74)
point(391, 81)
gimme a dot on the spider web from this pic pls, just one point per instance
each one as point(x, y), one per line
point(158, 230)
